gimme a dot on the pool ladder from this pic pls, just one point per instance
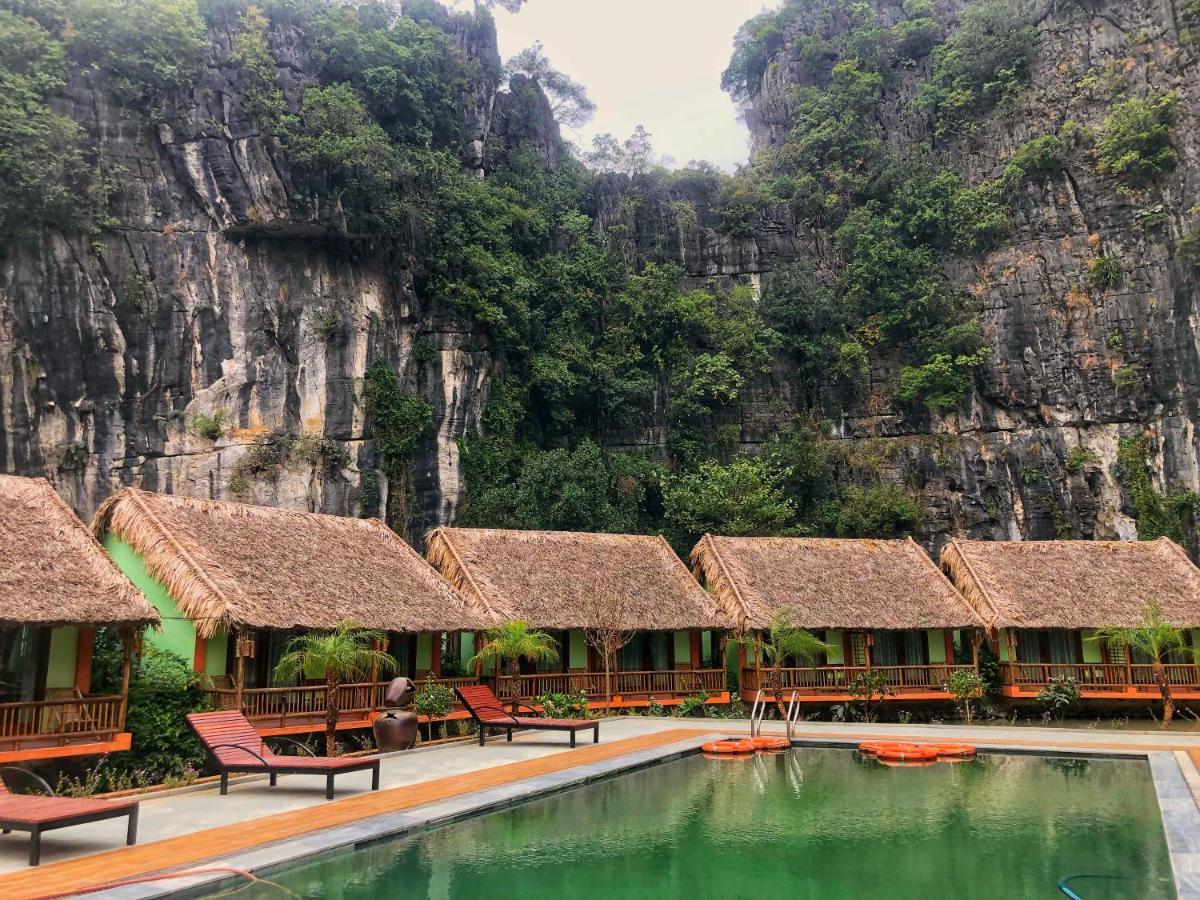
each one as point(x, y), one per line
point(759, 711)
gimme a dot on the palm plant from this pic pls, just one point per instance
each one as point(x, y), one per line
point(1155, 638)
point(342, 655)
point(505, 646)
point(783, 640)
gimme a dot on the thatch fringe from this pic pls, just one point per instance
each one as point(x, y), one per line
point(52, 571)
point(555, 579)
point(959, 569)
point(232, 565)
point(710, 569)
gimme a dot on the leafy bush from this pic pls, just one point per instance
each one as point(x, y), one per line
point(211, 427)
point(942, 383)
point(163, 689)
point(883, 510)
point(1059, 695)
point(145, 49)
point(1136, 142)
point(965, 685)
point(564, 706)
point(1104, 272)
point(433, 699)
point(1128, 377)
point(983, 64)
point(867, 689)
point(745, 497)
point(1077, 458)
point(694, 705)
point(398, 418)
point(1039, 159)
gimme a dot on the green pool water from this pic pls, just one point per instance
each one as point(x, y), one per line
point(809, 823)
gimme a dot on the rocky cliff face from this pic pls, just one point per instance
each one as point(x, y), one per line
point(222, 285)
point(1033, 454)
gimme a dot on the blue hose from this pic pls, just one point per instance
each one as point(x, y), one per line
point(1063, 883)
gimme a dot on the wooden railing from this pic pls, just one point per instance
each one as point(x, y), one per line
point(1098, 676)
point(48, 723)
point(281, 707)
point(835, 679)
point(661, 684)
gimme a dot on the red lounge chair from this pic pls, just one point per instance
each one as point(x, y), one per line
point(487, 712)
point(235, 746)
point(36, 813)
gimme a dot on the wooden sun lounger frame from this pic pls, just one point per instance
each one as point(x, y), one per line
point(507, 722)
point(103, 809)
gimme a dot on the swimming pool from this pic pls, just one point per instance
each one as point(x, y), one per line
point(819, 823)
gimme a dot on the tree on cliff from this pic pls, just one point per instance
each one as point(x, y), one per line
point(568, 98)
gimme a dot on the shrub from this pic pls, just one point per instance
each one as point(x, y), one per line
point(1189, 247)
point(1077, 458)
point(1136, 142)
point(1104, 272)
point(433, 699)
point(694, 705)
point(211, 427)
point(942, 383)
point(1128, 377)
point(564, 706)
point(1041, 158)
point(398, 417)
point(965, 685)
point(1059, 695)
point(867, 689)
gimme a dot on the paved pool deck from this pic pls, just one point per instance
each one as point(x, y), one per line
point(256, 826)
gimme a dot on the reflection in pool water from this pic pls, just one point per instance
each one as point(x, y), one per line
point(809, 823)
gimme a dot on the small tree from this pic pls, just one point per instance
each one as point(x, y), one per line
point(964, 685)
point(609, 631)
point(867, 689)
point(1154, 637)
point(783, 640)
point(341, 655)
point(1058, 695)
point(569, 100)
point(506, 645)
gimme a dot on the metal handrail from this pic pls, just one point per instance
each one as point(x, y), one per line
point(793, 715)
point(756, 716)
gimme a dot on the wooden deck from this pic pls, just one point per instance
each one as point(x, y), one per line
point(99, 869)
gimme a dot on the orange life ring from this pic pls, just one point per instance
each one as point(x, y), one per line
point(954, 751)
point(873, 747)
point(728, 748)
point(910, 753)
point(907, 764)
point(770, 743)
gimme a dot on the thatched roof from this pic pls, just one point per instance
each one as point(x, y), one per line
point(52, 571)
point(234, 565)
point(830, 583)
point(565, 579)
point(1074, 584)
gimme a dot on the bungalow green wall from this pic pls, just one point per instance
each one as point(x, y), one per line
point(64, 645)
point(424, 652)
point(1092, 651)
point(683, 649)
point(937, 646)
point(836, 655)
point(577, 656)
point(177, 635)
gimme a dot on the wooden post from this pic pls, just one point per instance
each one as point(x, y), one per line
point(239, 677)
point(83, 660)
point(868, 641)
point(975, 648)
point(1128, 669)
point(128, 645)
point(694, 634)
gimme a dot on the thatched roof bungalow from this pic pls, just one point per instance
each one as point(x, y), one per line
point(1074, 584)
point(552, 579)
point(830, 583)
point(876, 603)
point(1042, 601)
point(570, 582)
point(214, 568)
point(57, 586)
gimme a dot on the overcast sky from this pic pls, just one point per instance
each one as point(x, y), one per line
point(656, 63)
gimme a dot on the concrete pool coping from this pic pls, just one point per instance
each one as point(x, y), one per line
point(1175, 778)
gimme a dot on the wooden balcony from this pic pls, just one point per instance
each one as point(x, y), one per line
point(298, 710)
point(1098, 681)
point(827, 684)
point(667, 687)
point(49, 729)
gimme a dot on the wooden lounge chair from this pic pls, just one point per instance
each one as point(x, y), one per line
point(235, 746)
point(36, 814)
point(487, 712)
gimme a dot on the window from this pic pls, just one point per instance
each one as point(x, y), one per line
point(21, 650)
